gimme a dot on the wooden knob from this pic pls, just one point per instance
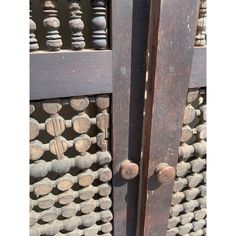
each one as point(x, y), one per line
point(165, 173)
point(128, 169)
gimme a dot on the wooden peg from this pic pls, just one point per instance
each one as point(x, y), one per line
point(191, 193)
point(184, 229)
point(179, 184)
point(192, 96)
point(200, 214)
point(194, 180)
point(189, 114)
point(177, 198)
point(191, 205)
point(200, 148)
point(55, 125)
point(175, 210)
point(173, 222)
point(198, 164)
point(186, 218)
point(172, 232)
point(187, 134)
point(197, 225)
point(186, 151)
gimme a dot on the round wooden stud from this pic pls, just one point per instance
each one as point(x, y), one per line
point(84, 162)
point(89, 220)
point(51, 215)
point(87, 193)
point(102, 121)
point(186, 218)
point(34, 128)
point(45, 203)
point(101, 142)
point(88, 206)
point(43, 189)
point(64, 184)
point(176, 209)
point(52, 106)
point(179, 184)
point(82, 143)
point(55, 126)
point(71, 224)
point(69, 210)
point(172, 222)
point(165, 173)
point(106, 216)
point(187, 134)
point(192, 96)
point(182, 168)
point(104, 190)
point(38, 170)
point(79, 103)
point(105, 174)
point(103, 101)
point(31, 109)
point(58, 146)
point(189, 114)
point(105, 203)
point(61, 166)
point(103, 158)
point(81, 123)
point(184, 229)
point(172, 232)
point(106, 228)
point(85, 179)
point(129, 170)
point(66, 198)
point(36, 150)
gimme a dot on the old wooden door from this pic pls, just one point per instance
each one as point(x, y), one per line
point(174, 164)
point(83, 175)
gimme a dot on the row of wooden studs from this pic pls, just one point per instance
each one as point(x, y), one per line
point(59, 145)
point(197, 226)
point(56, 125)
point(73, 223)
point(42, 168)
point(51, 24)
point(66, 182)
point(69, 196)
point(70, 210)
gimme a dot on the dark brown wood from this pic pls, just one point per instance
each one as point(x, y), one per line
point(65, 74)
point(171, 39)
point(198, 71)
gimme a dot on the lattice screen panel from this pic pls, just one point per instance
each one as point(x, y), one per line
point(188, 210)
point(70, 175)
point(201, 36)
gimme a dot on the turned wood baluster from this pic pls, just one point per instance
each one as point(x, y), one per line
point(33, 41)
point(76, 25)
point(51, 24)
point(99, 24)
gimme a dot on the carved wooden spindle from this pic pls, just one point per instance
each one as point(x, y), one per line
point(76, 25)
point(33, 41)
point(99, 24)
point(51, 24)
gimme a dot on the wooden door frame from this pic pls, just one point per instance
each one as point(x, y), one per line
point(172, 31)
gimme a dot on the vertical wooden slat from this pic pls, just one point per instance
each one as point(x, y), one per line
point(121, 59)
point(171, 39)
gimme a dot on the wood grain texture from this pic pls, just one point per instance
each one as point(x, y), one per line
point(65, 74)
point(198, 71)
point(171, 39)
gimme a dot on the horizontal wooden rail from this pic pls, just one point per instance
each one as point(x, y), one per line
point(68, 73)
point(198, 72)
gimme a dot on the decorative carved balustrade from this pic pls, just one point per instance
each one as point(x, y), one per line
point(86, 20)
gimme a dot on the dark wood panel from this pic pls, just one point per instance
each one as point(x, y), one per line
point(198, 71)
point(63, 74)
point(123, 206)
point(171, 39)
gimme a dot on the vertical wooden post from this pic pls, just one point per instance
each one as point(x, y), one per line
point(172, 30)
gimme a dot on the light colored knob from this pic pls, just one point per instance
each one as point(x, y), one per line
point(129, 170)
point(165, 173)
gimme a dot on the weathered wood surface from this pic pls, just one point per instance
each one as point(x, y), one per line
point(66, 74)
point(171, 40)
point(198, 71)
